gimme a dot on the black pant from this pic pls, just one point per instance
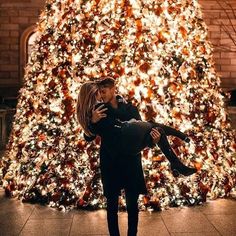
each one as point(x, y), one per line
point(170, 131)
point(135, 136)
point(132, 209)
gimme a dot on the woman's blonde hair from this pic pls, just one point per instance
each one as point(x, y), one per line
point(85, 104)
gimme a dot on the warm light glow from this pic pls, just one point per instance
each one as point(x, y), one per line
point(159, 54)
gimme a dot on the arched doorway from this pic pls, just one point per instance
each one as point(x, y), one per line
point(28, 38)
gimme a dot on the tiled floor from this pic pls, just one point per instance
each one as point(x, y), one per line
point(211, 219)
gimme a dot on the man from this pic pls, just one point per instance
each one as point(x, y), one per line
point(120, 172)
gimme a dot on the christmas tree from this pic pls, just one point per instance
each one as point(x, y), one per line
point(160, 56)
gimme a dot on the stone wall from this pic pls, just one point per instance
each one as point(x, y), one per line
point(18, 15)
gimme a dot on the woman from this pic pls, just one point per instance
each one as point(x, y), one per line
point(130, 136)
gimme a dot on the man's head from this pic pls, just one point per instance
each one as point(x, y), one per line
point(107, 89)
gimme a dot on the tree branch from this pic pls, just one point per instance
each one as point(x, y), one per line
point(232, 36)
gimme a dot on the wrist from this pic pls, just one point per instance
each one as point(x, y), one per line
point(93, 121)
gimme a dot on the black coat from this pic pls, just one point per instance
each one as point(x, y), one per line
point(117, 171)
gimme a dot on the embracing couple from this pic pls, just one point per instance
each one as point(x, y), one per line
point(123, 136)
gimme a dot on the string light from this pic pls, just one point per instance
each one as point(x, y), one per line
point(160, 56)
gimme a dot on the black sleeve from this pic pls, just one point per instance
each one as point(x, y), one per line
point(150, 142)
point(92, 128)
point(134, 112)
point(103, 126)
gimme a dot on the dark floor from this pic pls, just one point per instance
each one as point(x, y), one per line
point(211, 219)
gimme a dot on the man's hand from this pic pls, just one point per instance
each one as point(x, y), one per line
point(155, 135)
point(98, 114)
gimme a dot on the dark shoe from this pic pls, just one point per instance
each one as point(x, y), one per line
point(178, 169)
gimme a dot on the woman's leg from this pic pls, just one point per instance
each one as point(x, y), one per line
point(135, 136)
point(176, 165)
point(133, 211)
point(112, 215)
point(143, 134)
point(174, 132)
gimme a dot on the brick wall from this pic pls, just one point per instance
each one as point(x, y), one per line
point(225, 59)
point(15, 17)
point(18, 15)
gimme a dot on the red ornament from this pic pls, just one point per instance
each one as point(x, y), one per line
point(137, 82)
point(56, 197)
point(111, 47)
point(177, 141)
point(131, 93)
point(198, 166)
point(176, 114)
point(158, 158)
point(29, 113)
point(204, 189)
point(145, 67)
point(42, 137)
point(183, 32)
point(129, 11)
point(146, 200)
point(161, 38)
point(184, 190)
point(120, 71)
point(150, 113)
point(117, 26)
point(210, 116)
point(97, 1)
point(87, 193)
point(139, 24)
point(234, 145)
point(227, 189)
point(52, 84)
point(81, 202)
point(81, 144)
point(145, 153)
point(158, 11)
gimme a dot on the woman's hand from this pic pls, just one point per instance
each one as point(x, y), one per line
point(98, 114)
point(155, 135)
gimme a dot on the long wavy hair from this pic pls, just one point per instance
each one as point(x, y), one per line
point(85, 104)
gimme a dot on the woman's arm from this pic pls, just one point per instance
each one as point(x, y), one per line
point(103, 123)
point(98, 113)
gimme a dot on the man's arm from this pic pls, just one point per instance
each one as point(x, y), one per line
point(134, 112)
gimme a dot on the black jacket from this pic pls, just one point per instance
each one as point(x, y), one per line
point(117, 171)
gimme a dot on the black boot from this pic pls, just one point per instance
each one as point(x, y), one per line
point(177, 166)
point(180, 168)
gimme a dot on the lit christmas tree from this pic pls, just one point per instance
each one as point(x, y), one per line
point(159, 54)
